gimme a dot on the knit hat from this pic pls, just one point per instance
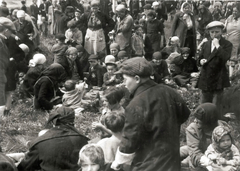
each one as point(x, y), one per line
point(136, 66)
point(175, 58)
point(122, 54)
point(110, 59)
point(71, 50)
point(20, 13)
point(24, 48)
point(185, 50)
point(7, 23)
point(157, 55)
point(92, 57)
point(114, 46)
point(219, 132)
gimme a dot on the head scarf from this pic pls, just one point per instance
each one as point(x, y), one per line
point(207, 113)
point(217, 135)
point(62, 116)
point(183, 5)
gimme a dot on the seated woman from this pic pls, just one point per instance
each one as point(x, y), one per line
point(58, 148)
point(198, 135)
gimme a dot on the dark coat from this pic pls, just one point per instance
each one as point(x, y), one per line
point(34, 11)
point(160, 71)
point(57, 149)
point(6, 164)
point(95, 77)
point(152, 128)
point(214, 74)
point(83, 64)
point(180, 29)
point(203, 19)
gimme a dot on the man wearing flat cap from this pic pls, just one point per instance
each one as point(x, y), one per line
point(150, 139)
point(6, 29)
point(124, 28)
point(213, 58)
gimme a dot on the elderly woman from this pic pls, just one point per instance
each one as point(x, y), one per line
point(184, 27)
point(232, 26)
point(198, 135)
point(58, 148)
point(98, 25)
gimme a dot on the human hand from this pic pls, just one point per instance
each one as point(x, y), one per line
point(203, 61)
point(221, 161)
point(115, 166)
point(215, 42)
point(195, 74)
point(204, 161)
point(96, 125)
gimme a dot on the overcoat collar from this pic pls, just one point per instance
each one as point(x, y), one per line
point(142, 87)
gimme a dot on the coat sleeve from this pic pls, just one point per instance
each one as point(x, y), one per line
point(224, 52)
point(193, 142)
point(42, 94)
point(110, 24)
point(126, 26)
point(31, 161)
point(174, 25)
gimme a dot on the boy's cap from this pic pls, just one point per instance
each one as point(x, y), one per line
point(122, 54)
point(215, 24)
point(114, 46)
point(157, 55)
point(79, 48)
point(136, 66)
point(24, 48)
point(93, 57)
point(110, 59)
point(7, 23)
point(185, 50)
point(147, 6)
point(20, 13)
point(175, 58)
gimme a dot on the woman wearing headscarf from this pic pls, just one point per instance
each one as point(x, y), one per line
point(98, 26)
point(58, 148)
point(184, 27)
point(199, 134)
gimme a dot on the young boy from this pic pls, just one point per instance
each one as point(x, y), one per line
point(114, 49)
point(115, 123)
point(96, 72)
point(109, 78)
point(73, 34)
point(138, 42)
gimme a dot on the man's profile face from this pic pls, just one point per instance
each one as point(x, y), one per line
point(215, 32)
point(130, 82)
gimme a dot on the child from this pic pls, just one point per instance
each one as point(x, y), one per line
point(91, 158)
point(73, 34)
point(114, 49)
point(173, 46)
point(59, 50)
point(96, 72)
point(115, 123)
point(154, 31)
point(138, 42)
point(160, 68)
point(73, 94)
point(222, 152)
point(109, 78)
point(122, 56)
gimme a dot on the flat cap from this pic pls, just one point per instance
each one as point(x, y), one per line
point(147, 6)
point(121, 7)
point(215, 24)
point(93, 57)
point(7, 23)
point(110, 59)
point(122, 54)
point(175, 58)
point(136, 66)
point(157, 55)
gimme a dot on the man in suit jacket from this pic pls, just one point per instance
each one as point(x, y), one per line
point(34, 11)
point(213, 58)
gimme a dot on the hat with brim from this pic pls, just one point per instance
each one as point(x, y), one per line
point(215, 24)
point(93, 58)
point(136, 66)
point(147, 6)
point(110, 59)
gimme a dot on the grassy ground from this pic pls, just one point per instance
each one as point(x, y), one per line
point(24, 123)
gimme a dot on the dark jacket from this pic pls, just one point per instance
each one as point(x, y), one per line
point(34, 11)
point(56, 150)
point(214, 75)
point(83, 64)
point(160, 71)
point(95, 77)
point(6, 164)
point(152, 127)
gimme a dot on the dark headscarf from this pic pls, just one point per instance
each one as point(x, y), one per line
point(207, 113)
point(62, 116)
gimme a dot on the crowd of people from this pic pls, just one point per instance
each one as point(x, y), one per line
point(117, 53)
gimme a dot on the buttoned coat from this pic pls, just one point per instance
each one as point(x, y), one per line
point(214, 74)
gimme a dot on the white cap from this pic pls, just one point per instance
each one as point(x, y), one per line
point(20, 13)
point(39, 58)
point(155, 4)
point(24, 48)
point(110, 59)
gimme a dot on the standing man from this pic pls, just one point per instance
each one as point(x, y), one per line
point(213, 57)
point(154, 115)
point(124, 29)
point(6, 29)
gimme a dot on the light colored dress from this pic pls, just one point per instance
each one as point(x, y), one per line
point(233, 33)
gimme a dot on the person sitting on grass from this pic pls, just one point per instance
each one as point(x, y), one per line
point(109, 78)
point(114, 122)
point(160, 68)
point(114, 49)
point(223, 154)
